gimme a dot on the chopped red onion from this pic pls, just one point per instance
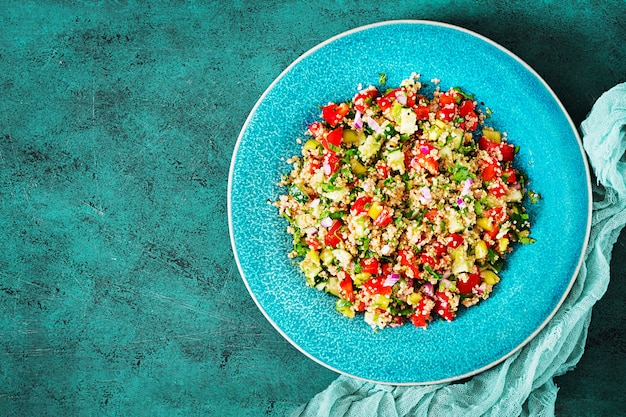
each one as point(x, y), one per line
point(428, 290)
point(358, 121)
point(424, 149)
point(400, 97)
point(467, 186)
point(374, 125)
point(326, 222)
point(461, 203)
point(312, 231)
point(391, 279)
point(327, 168)
point(425, 196)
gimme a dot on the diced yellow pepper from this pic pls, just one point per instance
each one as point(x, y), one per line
point(492, 135)
point(357, 167)
point(350, 136)
point(503, 243)
point(375, 209)
point(441, 124)
point(481, 250)
point(360, 278)
point(414, 298)
point(310, 145)
point(381, 301)
point(489, 277)
point(485, 223)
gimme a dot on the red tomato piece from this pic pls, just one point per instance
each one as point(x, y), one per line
point(446, 113)
point(384, 218)
point(383, 169)
point(333, 237)
point(449, 97)
point(491, 171)
point(361, 205)
point(346, 287)
point(455, 240)
point(387, 268)
point(317, 129)
point(508, 151)
point(422, 316)
point(369, 265)
point(408, 259)
point(509, 173)
point(431, 214)
point(466, 107)
point(466, 287)
point(375, 286)
point(383, 102)
point(313, 243)
point(427, 260)
point(330, 163)
point(314, 166)
point(334, 113)
point(364, 98)
point(471, 121)
point(497, 188)
point(333, 140)
point(440, 249)
point(443, 307)
point(422, 112)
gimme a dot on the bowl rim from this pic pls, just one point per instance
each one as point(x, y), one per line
point(499, 47)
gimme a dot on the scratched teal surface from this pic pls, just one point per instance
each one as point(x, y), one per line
point(119, 293)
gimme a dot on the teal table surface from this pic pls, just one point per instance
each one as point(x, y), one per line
point(119, 293)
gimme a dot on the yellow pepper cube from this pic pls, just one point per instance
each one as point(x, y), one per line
point(375, 210)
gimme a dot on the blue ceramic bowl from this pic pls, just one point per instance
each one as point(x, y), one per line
point(536, 278)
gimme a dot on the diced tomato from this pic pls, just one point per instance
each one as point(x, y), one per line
point(422, 316)
point(426, 162)
point(347, 290)
point(332, 141)
point(313, 243)
point(411, 97)
point(387, 268)
point(497, 188)
point(364, 98)
point(383, 102)
point(375, 286)
point(466, 287)
point(408, 259)
point(446, 113)
point(330, 163)
point(455, 240)
point(383, 169)
point(422, 112)
point(466, 107)
point(334, 113)
point(427, 260)
point(384, 218)
point(431, 214)
point(314, 166)
point(507, 151)
point(369, 265)
point(317, 129)
point(491, 171)
point(443, 307)
point(440, 249)
point(361, 205)
point(333, 237)
point(449, 97)
point(471, 121)
point(510, 176)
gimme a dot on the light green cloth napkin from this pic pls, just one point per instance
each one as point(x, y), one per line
point(522, 384)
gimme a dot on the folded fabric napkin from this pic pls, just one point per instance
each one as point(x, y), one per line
point(523, 383)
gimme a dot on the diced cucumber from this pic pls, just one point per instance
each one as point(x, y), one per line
point(454, 222)
point(395, 159)
point(492, 135)
point(327, 256)
point(369, 148)
point(343, 256)
point(460, 261)
point(344, 307)
point(298, 193)
point(332, 286)
point(311, 267)
point(408, 121)
point(338, 194)
point(359, 225)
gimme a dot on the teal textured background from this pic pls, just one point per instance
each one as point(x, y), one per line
point(119, 293)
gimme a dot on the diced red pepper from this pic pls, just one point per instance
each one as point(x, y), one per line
point(384, 218)
point(313, 243)
point(408, 259)
point(455, 240)
point(375, 286)
point(346, 287)
point(491, 170)
point(466, 287)
point(334, 113)
point(507, 151)
point(466, 107)
point(509, 173)
point(497, 188)
point(333, 237)
point(383, 102)
point(431, 214)
point(446, 113)
point(422, 316)
point(443, 307)
point(369, 265)
point(427, 260)
point(330, 163)
point(361, 205)
point(364, 98)
point(332, 140)
point(383, 169)
point(422, 112)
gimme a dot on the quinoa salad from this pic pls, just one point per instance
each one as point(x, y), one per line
point(403, 204)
